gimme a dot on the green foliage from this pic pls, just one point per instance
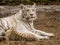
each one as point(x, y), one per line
point(16, 2)
point(12, 2)
point(27, 1)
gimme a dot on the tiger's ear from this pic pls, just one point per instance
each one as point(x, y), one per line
point(22, 6)
point(34, 5)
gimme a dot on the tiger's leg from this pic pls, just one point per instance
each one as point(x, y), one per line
point(34, 36)
point(3, 36)
point(39, 32)
point(1, 31)
point(42, 33)
point(30, 35)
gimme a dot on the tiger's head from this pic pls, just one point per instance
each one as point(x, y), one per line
point(28, 12)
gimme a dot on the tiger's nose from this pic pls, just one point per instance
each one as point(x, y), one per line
point(31, 14)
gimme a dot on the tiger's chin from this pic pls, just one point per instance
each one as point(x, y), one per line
point(32, 19)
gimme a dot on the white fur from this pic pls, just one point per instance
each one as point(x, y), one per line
point(22, 22)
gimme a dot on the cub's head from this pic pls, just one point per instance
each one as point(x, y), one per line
point(28, 12)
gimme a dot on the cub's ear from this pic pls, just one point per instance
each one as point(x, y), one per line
point(22, 6)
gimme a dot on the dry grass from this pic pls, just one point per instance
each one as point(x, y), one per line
point(49, 22)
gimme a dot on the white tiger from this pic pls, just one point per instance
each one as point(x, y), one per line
point(22, 23)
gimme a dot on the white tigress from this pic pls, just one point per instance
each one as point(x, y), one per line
point(22, 23)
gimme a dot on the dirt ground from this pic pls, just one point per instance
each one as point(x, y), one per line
point(48, 22)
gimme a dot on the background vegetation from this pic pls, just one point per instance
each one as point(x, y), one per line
point(17, 2)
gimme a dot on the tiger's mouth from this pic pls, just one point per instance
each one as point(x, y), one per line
point(32, 17)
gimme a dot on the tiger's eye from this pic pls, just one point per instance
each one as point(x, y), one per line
point(27, 10)
point(23, 16)
point(32, 9)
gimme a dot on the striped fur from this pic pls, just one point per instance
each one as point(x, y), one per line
point(22, 24)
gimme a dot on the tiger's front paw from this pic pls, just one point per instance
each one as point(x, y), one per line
point(42, 37)
point(50, 34)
